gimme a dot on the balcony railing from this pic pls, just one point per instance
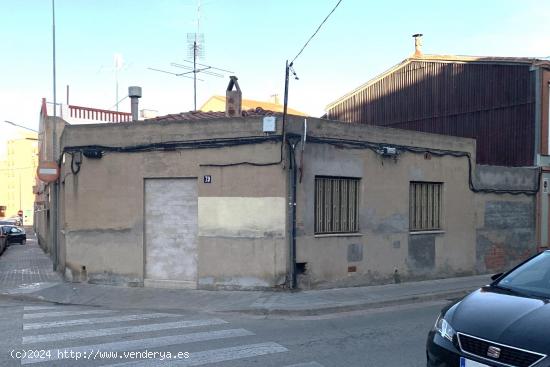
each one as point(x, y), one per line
point(97, 114)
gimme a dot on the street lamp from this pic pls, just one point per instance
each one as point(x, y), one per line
point(20, 206)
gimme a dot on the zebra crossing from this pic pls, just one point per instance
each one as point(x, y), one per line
point(100, 337)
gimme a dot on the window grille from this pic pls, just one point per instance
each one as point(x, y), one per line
point(425, 202)
point(336, 205)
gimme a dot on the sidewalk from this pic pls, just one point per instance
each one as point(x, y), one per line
point(25, 273)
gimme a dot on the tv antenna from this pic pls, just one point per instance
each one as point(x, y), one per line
point(119, 64)
point(195, 50)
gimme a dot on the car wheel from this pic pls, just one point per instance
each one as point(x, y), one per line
point(23, 242)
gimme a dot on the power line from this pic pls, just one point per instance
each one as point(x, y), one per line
point(16, 168)
point(20, 126)
point(318, 28)
point(116, 104)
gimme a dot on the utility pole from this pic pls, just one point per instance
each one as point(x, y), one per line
point(195, 74)
point(119, 62)
point(116, 77)
point(54, 187)
point(195, 55)
point(20, 206)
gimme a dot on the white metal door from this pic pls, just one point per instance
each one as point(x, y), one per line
point(171, 233)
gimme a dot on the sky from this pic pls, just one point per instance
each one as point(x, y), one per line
point(251, 38)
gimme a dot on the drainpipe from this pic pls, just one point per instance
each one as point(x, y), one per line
point(538, 115)
point(542, 199)
point(292, 204)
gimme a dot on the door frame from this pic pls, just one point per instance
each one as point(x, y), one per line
point(172, 284)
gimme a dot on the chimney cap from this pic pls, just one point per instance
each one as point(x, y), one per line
point(233, 98)
point(233, 83)
point(417, 44)
point(134, 92)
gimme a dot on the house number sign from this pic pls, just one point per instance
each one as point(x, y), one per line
point(207, 179)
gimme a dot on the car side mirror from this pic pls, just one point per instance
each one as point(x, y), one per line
point(496, 276)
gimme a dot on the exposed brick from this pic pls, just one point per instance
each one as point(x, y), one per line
point(495, 258)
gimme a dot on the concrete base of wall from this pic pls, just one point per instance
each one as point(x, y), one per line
point(240, 283)
point(365, 280)
point(170, 284)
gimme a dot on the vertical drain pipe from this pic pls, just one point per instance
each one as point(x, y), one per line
point(292, 204)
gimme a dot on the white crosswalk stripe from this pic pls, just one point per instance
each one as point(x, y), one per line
point(119, 330)
point(212, 356)
point(62, 330)
point(64, 314)
point(94, 321)
point(306, 364)
point(36, 308)
point(146, 343)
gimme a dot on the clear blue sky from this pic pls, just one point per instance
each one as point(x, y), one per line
point(253, 38)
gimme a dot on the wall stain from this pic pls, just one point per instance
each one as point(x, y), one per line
point(508, 236)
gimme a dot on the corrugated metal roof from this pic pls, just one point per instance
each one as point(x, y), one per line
point(445, 58)
point(490, 102)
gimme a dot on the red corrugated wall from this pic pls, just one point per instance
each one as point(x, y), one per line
point(493, 103)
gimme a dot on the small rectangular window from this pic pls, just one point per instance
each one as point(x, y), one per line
point(336, 205)
point(425, 199)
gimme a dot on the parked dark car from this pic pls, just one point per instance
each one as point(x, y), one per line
point(15, 235)
point(3, 240)
point(506, 323)
point(9, 222)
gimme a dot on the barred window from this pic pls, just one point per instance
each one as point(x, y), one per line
point(336, 205)
point(425, 199)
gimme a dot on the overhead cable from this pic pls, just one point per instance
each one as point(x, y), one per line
point(317, 30)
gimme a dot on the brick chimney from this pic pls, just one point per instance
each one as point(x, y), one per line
point(417, 45)
point(233, 98)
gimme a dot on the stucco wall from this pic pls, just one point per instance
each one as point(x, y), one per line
point(243, 221)
point(46, 153)
point(384, 238)
point(241, 213)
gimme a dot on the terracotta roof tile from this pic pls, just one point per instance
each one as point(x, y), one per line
point(200, 115)
point(252, 104)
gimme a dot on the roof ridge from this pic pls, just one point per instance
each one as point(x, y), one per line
point(442, 58)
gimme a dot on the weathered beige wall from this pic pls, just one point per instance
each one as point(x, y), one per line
point(243, 214)
point(242, 217)
point(384, 235)
point(104, 215)
point(481, 232)
point(44, 190)
point(384, 219)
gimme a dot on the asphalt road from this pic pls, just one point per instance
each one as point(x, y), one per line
point(388, 337)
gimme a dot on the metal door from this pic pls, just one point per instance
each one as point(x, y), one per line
point(171, 232)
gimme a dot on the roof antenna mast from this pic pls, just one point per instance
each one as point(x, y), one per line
point(196, 51)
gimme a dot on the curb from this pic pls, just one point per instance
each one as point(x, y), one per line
point(354, 307)
point(279, 311)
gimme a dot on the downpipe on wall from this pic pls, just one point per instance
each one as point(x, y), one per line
point(292, 174)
